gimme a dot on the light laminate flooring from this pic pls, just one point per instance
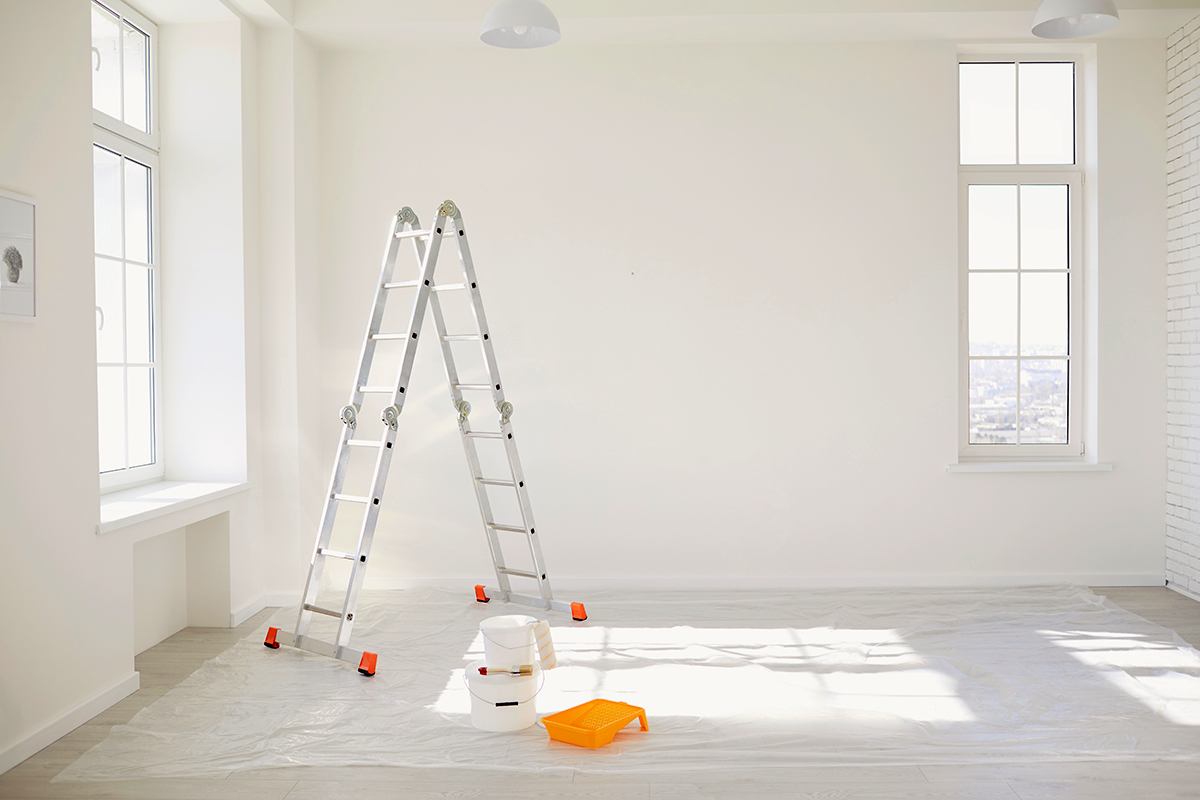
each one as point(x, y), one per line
point(166, 664)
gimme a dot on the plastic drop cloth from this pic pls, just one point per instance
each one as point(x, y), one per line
point(729, 679)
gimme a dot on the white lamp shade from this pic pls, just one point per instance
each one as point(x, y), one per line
point(1071, 19)
point(520, 23)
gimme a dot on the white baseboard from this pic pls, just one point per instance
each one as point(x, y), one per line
point(276, 600)
point(569, 584)
point(1176, 587)
point(56, 729)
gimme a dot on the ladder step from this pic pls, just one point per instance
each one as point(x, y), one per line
point(481, 387)
point(440, 287)
point(484, 435)
point(461, 337)
point(335, 554)
point(383, 336)
point(376, 389)
point(513, 528)
point(518, 573)
point(350, 498)
point(495, 482)
point(424, 233)
point(363, 443)
point(325, 611)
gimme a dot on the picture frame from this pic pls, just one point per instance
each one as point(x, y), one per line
point(18, 257)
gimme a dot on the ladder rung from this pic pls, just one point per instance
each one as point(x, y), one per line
point(440, 287)
point(512, 528)
point(495, 482)
point(376, 389)
point(363, 443)
point(461, 337)
point(335, 554)
point(382, 336)
point(482, 387)
point(415, 234)
point(519, 573)
point(484, 435)
point(325, 611)
point(351, 498)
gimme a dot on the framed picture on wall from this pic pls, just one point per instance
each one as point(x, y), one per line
point(17, 265)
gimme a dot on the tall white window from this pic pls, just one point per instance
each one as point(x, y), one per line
point(125, 159)
point(1021, 267)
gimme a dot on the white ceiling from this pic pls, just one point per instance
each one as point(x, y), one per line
point(342, 24)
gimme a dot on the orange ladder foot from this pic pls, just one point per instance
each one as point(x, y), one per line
point(367, 665)
point(480, 595)
point(270, 642)
point(577, 612)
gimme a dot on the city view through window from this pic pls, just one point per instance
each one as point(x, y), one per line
point(1018, 224)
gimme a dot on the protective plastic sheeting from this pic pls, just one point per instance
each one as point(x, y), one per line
point(729, 679)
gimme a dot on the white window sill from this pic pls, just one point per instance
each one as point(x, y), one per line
point(131, 506)
point(1028, 466)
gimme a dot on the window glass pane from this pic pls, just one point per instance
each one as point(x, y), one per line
point(1047, 113)
point(141, 416)
point(110, 312)
point(137, 314)
point(110, 382)
point(987, 113)
point(992, 313)
point(137, 211)
point(106, 62)
point(1044, 240)
point(106, 187)
point(1044, 304)
point(1044, 402)
point(137, 70)
point(993, 402)
point(991, 227)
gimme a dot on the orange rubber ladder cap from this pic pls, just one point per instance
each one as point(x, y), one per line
point(270, 641)
point(367, 665)
point(480, 594)
point(577, 612)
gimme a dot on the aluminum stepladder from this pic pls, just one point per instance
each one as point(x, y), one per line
point(427, 244)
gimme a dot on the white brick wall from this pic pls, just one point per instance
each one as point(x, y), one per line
point(1183, 307)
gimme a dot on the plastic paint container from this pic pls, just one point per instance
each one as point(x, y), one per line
point(515, 694)
point(508, 641)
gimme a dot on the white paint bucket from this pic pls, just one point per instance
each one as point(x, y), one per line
point(502, 702)
point(508, 641)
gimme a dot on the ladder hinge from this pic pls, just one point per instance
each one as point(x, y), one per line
point(447, 209)
point(506, 410)
point(391, 416)
point(464, 410)
point(350, 416)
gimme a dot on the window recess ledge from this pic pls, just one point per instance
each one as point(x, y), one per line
point(122, 509)
point(1028, 466)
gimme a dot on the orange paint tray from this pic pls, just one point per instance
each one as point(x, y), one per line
point(594, 723)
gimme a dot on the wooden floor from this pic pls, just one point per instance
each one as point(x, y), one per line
point(166, 664)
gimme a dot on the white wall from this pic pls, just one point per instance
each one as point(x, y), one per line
point(79, 609)
point(722, 284)
point(1183, 319)
point(67, 634)
point(160, 590)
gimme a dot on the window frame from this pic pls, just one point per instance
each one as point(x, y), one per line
point(1072, 175)
point(123, 139)
point(120, 127)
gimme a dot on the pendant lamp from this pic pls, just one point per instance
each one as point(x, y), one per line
point(520, 23)
point(1071, 19)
